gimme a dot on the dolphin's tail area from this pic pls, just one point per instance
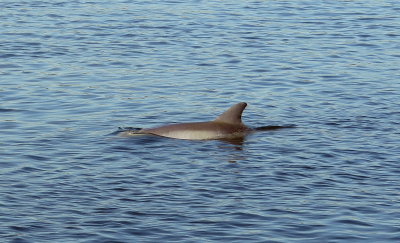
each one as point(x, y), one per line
point(273, 127)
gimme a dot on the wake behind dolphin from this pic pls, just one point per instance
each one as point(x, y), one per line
point(228, 125)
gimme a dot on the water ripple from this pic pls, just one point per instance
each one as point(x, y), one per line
point(75, 71)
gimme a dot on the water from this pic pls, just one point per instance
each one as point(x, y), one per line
point(72, 72)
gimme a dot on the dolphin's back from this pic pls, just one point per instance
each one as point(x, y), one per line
point(198, 130)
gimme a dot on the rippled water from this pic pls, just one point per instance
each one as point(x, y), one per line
point(72, 72)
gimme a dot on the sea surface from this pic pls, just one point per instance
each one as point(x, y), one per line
point(73, 72)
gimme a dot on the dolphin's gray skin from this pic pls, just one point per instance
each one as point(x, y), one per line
point(228, 125)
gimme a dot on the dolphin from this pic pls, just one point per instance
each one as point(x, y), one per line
point(228, 125)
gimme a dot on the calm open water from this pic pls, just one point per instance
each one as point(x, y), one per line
point(72, 72)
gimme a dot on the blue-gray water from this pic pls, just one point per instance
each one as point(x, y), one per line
point(72, 72)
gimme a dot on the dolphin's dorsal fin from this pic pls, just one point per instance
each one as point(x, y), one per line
point(233, 115)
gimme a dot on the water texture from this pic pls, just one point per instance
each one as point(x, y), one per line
point(72, 72)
